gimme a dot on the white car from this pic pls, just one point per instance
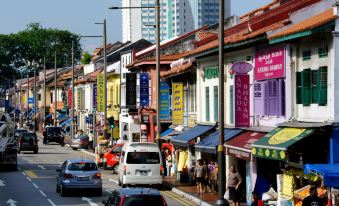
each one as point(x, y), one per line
point(140, 164)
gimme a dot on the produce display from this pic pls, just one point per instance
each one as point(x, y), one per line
point(305, 191)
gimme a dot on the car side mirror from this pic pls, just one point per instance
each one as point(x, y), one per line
point(58, 170)
point(104, 202)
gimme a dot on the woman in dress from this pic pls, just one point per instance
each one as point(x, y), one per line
point(198, 176)
point(233, 185)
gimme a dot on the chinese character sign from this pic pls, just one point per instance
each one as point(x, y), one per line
point(95, 93)
point(100, 93)
point(177, 103)
point(242, 100)
point(70, 98)
point(131, 90)
point(164, 101)
point(79, 105)
point(269, 63)
point(144, 89)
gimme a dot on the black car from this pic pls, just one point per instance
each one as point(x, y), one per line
point(54, 134)
point(18, 133)
point(28, 142)
point(134, 197)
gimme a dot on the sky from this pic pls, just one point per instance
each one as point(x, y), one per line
point(80, 16)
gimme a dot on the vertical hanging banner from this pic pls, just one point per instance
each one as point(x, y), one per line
point(177, 105)
point(69, 98)
point(164, 101)
point(79, 105)
point(94, 95)
point(101, 93)
point(242, 100)
point(131, 90)
point(144, 89)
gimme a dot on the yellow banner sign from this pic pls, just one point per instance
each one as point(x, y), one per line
point(101, 93)
point(177, 103)
point(287, 186)
point(79, 105)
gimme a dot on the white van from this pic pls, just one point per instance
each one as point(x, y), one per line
point(140, 163)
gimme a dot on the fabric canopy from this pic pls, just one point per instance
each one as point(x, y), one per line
point(185, 137)
point(240, 146)
point(66, 122)
point(274, 144)
point(210, 143)
point(329, 173)
point(166, 132)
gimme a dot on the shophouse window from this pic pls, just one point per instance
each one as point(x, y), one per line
point(307, 54)
point(231, 105)
point(312, 87)
point(215, 96)
point(192, 95)
point(323, 52)
point(207, 103)
point(269, 97)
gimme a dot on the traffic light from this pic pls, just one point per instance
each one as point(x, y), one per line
point(111, 122)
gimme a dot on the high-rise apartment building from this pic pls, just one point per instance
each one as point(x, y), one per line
point(176, 17)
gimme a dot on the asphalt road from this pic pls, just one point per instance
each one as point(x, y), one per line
point(34, 183)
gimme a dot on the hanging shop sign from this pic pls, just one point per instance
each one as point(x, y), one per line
point(79, 105)
point(95, 93)
point(100, 93)
point(211, 72)
point(242, 100)
point(269, 63)
point(242, 67)
point(69, 98)
point(164, 101)
point(131, 90)
point(144, 89)
point(178, 104)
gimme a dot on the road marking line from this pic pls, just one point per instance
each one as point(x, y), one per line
point(29, 179)
point(31, 174)
point(113, 180)
point(41, 167)
point(177, 198)
point(109, 191)
point(43, 194)
point(52, 203)
point(36, 186)
point(23, 173)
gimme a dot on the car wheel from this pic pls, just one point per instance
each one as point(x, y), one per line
point(116, 168)
point(74, 149)
point(62, 191)
point(57, 189)
point(123, 185)
point(119, 182)
point(35, 151)
point(99, 192)
point(18, 151)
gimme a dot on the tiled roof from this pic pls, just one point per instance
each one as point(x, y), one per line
point(177, 70)
point(59, 84)
point(90, 77)
point(307, 24)
point(238, 37)
point(165, 59)
point(67, 75)
point(205, 34)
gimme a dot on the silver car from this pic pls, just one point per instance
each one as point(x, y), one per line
point(78, 174)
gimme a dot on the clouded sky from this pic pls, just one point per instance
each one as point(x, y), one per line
point(79, 16)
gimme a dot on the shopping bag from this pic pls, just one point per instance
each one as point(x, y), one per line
point(227, 195)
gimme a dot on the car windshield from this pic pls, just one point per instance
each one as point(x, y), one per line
point(82, 166)
point(143, 200)
point(19, 132)
point(53, 129)
point(143, 158)
point(29, 137)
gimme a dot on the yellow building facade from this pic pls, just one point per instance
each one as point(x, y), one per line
point(113, 101)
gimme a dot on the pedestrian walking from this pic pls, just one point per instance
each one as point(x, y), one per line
point(45, 140)
point(206, 180)
point(233, 185)
point(168, 162)
point(198, 176)
point(91, 137)
point(213, 168)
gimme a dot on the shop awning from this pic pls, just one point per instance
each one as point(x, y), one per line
point(240, 146)
point(274, 144)
point(69, 121)
point(166, 132)
point(185, 137)
point(169, 134)
point(210, 143)
point(329, 173)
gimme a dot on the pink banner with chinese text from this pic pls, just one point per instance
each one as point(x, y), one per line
point(242, 100)
point(269, 63)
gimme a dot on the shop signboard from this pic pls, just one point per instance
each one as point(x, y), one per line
point(164, 101)
point(242, 100)
point(287, 186)
point(69, 98)
point(131, 90)
point(178, 104)
point(100, 93)
point(31, 100)
point(79, 105)
point(144, 89)
point(269, 63)
point(95, 93)
point(242, 67)
point(211, 72)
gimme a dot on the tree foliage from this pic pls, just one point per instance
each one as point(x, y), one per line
point(86, 58)
point(33, 44)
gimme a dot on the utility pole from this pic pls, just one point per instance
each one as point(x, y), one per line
point(105, 80)
point(15, 103)
point(55, 91)
point(34, 97)
point(44, 91)
point(72, 106)
point(157, 68)
point(221, 154)
point(27, 95)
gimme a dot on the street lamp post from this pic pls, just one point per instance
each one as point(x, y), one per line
point(44, 91)
point(34, 97)
point(27, 95)
point(55, 91)
point(72, 131)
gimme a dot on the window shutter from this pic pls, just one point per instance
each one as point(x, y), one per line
point(306, 87)
point(259, 89)
point(272, 97)
point(281, 97)
point(216, 103)
point(207, 96)
point(315, 86)
point(299, 88)
point(322, 79)
point(231, 105)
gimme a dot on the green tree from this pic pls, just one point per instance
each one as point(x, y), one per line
point(86, 58)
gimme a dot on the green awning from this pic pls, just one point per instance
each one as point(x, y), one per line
point(274, 144)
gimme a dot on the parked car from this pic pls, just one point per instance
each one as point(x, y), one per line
point(80, 142)
point(18, 133)
point(54, 134)
point(140, 163)
point(111, 158)
point(28, 142)
point(78, 174)
point(135, 197)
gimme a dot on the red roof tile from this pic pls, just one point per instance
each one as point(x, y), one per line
point(164, 59)
point(177, 70)
point(307, 24)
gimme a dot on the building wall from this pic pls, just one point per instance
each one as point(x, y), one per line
point(113, 96)
point(131, 24)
